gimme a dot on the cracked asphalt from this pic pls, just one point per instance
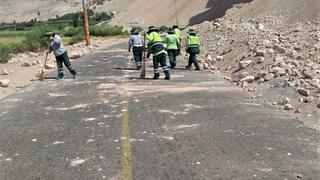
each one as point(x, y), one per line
point(109, 124)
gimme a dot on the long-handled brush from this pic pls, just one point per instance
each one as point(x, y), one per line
point(143, 71)
point(42, 73)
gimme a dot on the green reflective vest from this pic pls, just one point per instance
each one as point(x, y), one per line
point(154, 38)
point(177, 32)
point(172, 41)
point(193, 41)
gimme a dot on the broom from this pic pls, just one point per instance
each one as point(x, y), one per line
point(42, 73)
point(143, 71)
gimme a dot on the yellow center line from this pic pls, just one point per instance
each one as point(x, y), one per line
point(126, 145)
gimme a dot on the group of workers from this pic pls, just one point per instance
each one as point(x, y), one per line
point(157, 46)
point(161, 47)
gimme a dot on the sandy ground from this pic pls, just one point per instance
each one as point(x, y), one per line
point(21, 77)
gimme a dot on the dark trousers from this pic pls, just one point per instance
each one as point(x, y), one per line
point(193, 59)
point(160, 59)
point(172, 54)
point(137, 54)
point(64, 59)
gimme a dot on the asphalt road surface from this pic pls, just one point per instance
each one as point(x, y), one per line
point(109, 124)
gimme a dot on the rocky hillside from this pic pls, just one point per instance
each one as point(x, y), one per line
point(260, 47)
point(128, 12)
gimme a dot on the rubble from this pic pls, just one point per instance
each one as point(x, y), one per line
point(265, 52)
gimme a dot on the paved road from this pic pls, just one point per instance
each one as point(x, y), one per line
point(110, 125)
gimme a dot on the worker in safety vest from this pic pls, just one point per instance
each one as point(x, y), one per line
point(173, 44)
point(193, 48)
point(178, 33)
point(156, 48)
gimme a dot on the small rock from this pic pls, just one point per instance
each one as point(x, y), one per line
point(260, 60)
point(216, 24)
point(260, 52)
point(262, 74)
point(318, 105)
point(243, 84)
point(26, 63)
point(75, 55)
point(308, 74)
point(219, 58)
point(4, 71)
point(227, 78)
point(209, 58)
point(244, 64)
point(269, 77)
point(49, 66)
point(279, 71)
point(303, 92)
point(299, 110)
point(248, 79)
point(288, 107)
point(4, 83)
point(295, 55)
point(280, 49)
point(301, 99)
point(205, 66)
point(260, 26)
point(287, 100)
point(278, 62)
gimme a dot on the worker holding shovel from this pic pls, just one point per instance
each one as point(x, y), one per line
point(58, 49)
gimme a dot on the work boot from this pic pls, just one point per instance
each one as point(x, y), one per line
point(59, 77)
point(167, 75)
point(74, 75)
point(156, 76)
point(188, 67)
